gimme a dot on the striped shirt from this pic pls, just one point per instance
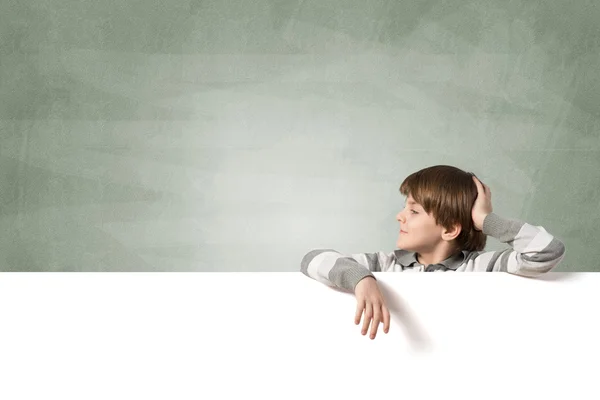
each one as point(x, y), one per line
point(533, 252)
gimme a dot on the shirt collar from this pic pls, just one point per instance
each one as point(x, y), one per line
point(408, 258)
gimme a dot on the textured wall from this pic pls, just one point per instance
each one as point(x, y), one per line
point(236, 136)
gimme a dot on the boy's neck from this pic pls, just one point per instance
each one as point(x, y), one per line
point(435, 257)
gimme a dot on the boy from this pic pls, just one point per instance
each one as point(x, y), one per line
point(443, 227)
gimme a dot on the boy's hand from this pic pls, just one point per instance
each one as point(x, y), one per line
point(483, 204)
point(370, 300)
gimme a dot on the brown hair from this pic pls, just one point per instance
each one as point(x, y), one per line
point(447, 193)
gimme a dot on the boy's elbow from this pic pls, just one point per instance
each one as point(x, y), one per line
point(306, 259)
point(544, 262)
point(557, 254)
point(304, 263)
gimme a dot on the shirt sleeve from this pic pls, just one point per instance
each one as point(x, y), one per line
point(533, 250)
point(344, 271)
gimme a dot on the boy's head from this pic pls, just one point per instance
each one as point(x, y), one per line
point(438, 211)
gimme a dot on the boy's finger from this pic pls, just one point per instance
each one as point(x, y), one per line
point(376, 322)
point(359, 310)
point(386, 319)
point(367, 318)
point(482, 189)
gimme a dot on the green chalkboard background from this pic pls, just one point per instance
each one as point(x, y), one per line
point(238, 135)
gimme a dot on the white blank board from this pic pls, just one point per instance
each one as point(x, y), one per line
point(284, 335)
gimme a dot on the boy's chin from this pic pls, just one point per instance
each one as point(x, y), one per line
point(403, 247)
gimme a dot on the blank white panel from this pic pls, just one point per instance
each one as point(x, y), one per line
point(283, 335)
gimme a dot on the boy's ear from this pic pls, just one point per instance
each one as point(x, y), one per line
point(451, 234)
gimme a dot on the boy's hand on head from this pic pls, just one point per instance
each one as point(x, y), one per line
point(483, 204)
point(370, 301)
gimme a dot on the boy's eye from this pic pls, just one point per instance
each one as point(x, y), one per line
point(414, 212)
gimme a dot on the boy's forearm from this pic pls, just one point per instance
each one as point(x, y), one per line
point(503, 229)
point(334, 269)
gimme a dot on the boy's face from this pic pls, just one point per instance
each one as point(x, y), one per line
point(418, 230)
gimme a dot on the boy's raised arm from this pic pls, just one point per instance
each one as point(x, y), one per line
point(534, 251)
